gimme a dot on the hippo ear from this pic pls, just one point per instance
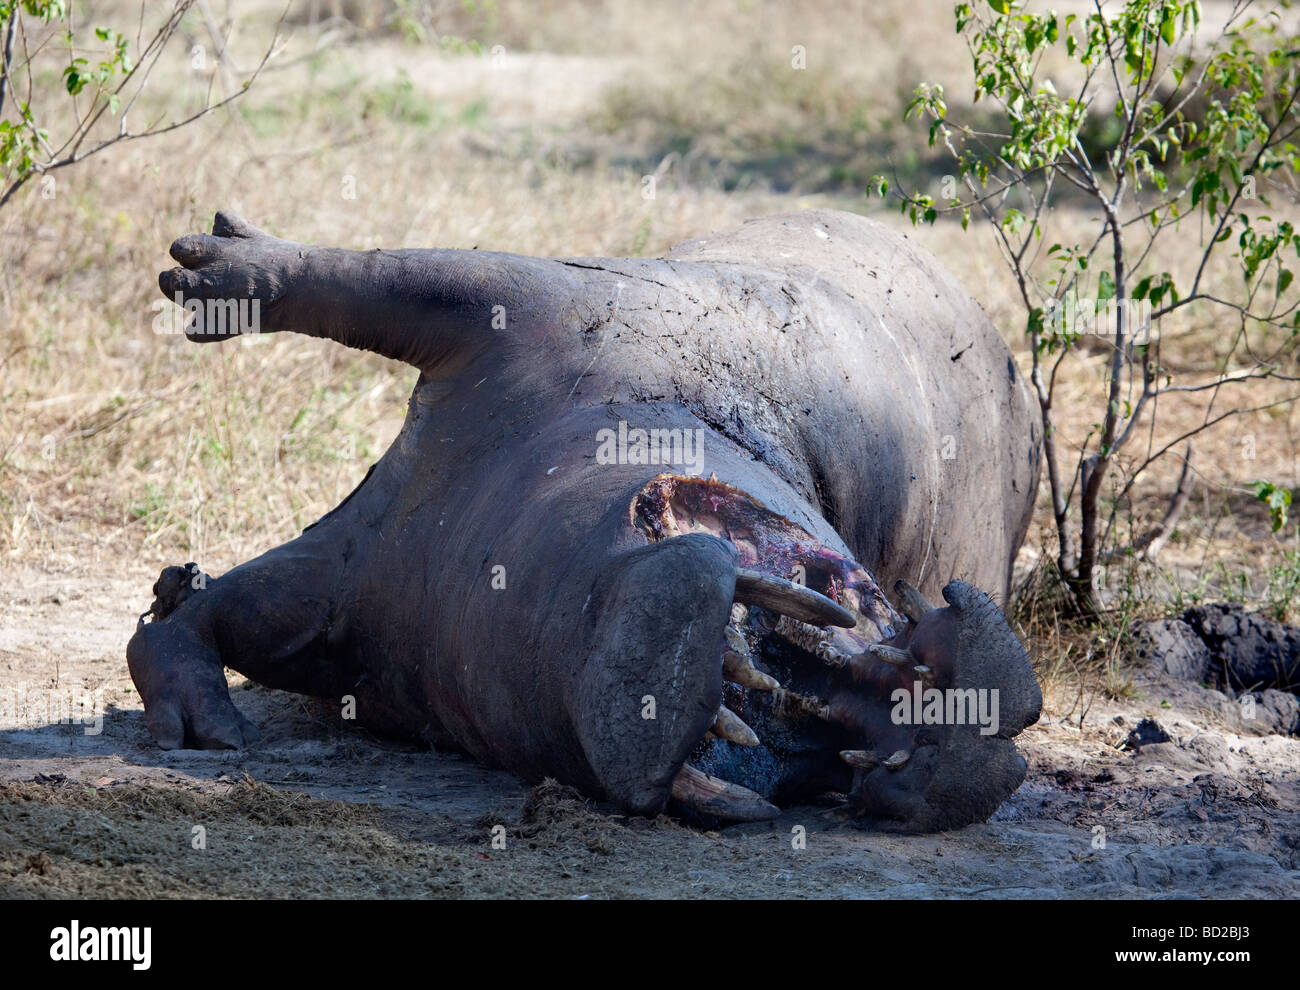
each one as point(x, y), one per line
point(652, 684)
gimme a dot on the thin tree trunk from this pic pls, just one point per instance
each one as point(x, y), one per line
point(1082, 582)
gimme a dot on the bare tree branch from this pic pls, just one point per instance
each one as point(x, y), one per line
point(1150, 543)
point(64, 157)
point(10, 29)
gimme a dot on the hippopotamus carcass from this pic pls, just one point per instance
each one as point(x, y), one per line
point(634, 530)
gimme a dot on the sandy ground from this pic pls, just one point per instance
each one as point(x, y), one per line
point(321, 809)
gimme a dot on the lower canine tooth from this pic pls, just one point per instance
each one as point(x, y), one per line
point(698, 790)
point(899, 759)
point(731, 727)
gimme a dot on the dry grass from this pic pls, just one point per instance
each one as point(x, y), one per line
point(251, 801)
point(126, 450)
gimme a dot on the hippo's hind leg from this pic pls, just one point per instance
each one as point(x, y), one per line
point(268, 619)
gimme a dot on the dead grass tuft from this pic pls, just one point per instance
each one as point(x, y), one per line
point(248, 801)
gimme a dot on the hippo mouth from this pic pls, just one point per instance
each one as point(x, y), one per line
point(828, 691)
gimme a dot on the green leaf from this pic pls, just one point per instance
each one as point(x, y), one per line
point(1278, 501)
point(1001, 6)
point(1105, 287)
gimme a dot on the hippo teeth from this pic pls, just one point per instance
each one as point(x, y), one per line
point(730, 726)
point(795, 599)
point(898, 760)
point(890, 654)
point(699, 791)
point(791, 703)
point(737, 659)
point(788, 598)
point(739, 669)
point(861, 759)
point(802, 634)
point(834, 658)
point(911, 602)
point(736, 640)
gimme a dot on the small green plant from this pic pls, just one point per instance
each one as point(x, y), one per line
point(398, 101)
point(101, 77)
point(641, 238)
point(1276, 596)
point(1201, 121)
point(417, 21)
point(152, 501)
point(1119, 686)
point(1277, 499)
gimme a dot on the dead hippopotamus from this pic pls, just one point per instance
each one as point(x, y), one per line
point(631, 532)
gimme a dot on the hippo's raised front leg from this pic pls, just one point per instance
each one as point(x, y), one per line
point(433, 309)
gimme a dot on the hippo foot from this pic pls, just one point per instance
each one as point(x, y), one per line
point(173, 588)
point(179, 673)
point(828, 689)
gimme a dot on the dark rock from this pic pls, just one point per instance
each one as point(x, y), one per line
point(1147, 733)
point(1248, 651)
point(1239, 655)
point(1274, 712)
point(1174, 648)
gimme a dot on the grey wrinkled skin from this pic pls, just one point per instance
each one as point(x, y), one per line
point(842, 378)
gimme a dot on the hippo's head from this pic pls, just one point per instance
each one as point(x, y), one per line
point(824, 687)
